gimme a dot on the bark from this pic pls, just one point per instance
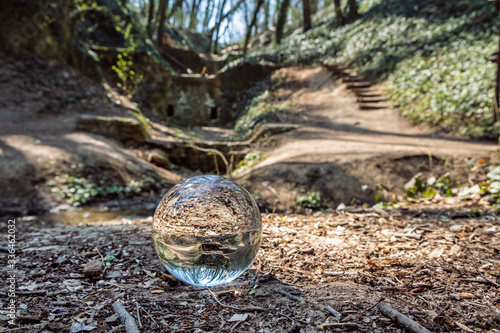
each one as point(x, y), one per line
point(266, 15)
point(353, 10)
point(258, 5)
point(208, 12)
point(193, 22)
point(151, 13)
point(218, 23)
point(161, 22)
point(280, 25)
point(496, 100)
point(307, 15)
point(338, 13)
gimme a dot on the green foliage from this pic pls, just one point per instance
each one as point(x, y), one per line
point(435, 57)
point(493, 188)
point(79, 191)
point(248, 161)
point(259, 111)
point(311, 200)
point(128, 78)
point(109, 260)
point(417, 187)
point(489, 189)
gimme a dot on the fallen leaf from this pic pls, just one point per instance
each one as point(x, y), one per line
point(80, 327)
point(238, 317)
point(466, 295)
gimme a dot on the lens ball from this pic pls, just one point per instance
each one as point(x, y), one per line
point(207, 230)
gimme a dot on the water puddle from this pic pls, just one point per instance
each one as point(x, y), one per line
point(96, 215)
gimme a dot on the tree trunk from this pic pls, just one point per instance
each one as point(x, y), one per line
point(208, 12)
point(161, 22)
point(496, 100)
point(313, 6)
point(307, 15)
point(252, 24)
point(151, 13)
point(218, 23)
point(280, 25)
point(353, 11)
point(177, 4)
point(338, 13)
point(193, 21)
point(266, 15)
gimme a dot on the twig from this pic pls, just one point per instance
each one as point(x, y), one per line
point(150, 316)
point(338, 325)
point(67, 313)
point(245, 308)
point(116, 328)
point(295, 298)
point(138, 314)
point(462, 326)
point(401, 319)
point(127, 319)
point(493, 283)
point(334, 312)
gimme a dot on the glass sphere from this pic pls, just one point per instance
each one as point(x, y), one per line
point(207, 230)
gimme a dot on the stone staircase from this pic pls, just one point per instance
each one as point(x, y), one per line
point(368, 96)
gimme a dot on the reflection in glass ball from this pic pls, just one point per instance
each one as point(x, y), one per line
point(207, 230)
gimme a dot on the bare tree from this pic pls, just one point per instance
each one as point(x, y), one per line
point(176, 5)
point(338, 13)
point(280, 24)
point(221, 17)
point(193, 16)
point(258, 5)
point(307, 15)
point(161, 21)
point(496, 99)
point(149, 26)
point(353, 10)
point(208, 14)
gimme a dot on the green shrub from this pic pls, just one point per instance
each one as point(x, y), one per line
point(311, 200)
point(79, 190)
point(248, 161)
point(259, 111)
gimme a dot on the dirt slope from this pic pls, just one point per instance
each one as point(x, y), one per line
point(40, 102)
point(344, 144)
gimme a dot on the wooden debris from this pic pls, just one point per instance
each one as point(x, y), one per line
point(462, 326)
point(293, 297)
point(401, 319)
point(127, 320)
point(345, 325)
point(334, 312)
point(93, 269)
point(249, 308)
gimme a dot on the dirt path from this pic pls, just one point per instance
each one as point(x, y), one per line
point(355, 140)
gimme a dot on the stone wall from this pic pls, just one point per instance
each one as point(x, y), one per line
point(190, 100)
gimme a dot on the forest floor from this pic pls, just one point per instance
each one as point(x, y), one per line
point(434, 260)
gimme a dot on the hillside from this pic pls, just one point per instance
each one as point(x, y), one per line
point(433, 58)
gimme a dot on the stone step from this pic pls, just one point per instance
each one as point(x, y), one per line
point(359, 85)
point(373, 106)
